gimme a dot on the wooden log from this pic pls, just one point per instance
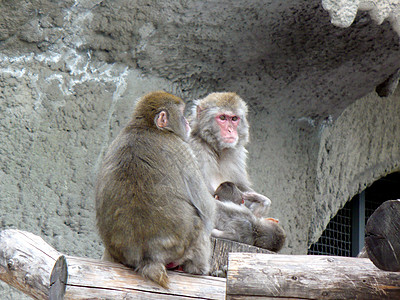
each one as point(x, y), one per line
point(26, 262)
point(382, 240)
point(92, 279)
point(221, 249)
point(88, 278)
point(58, 279)
point(253, 275)
point(29, 264)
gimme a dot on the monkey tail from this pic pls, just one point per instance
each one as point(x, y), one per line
point(155, 272)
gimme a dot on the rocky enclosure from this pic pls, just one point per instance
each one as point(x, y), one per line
point(70, 72)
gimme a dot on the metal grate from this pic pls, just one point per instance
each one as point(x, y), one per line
point(386, 188)
point(337, 238)
point(370, 206)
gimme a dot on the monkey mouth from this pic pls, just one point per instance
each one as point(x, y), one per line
point(231, 143)
point(229, 140)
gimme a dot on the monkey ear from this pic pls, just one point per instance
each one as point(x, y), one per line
point(216, 197)
point(161, 119)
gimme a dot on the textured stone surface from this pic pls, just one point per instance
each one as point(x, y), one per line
point(343, 12)
point(362, 146)
point(70, 72)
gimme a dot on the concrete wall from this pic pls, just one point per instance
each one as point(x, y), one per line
point(70, 72)
point(360, 147)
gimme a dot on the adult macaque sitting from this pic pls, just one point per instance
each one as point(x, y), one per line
point(236, 222)
point(153, 209)
point(219, 134)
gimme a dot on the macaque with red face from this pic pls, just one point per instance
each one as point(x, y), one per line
point(219, 134)
point(228, 127)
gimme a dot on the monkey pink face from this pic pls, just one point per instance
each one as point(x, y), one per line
point(228, 127)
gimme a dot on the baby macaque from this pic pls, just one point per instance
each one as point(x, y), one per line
point(228, 191)
point(237, 223)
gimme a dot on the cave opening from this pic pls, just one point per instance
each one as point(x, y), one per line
point(344, 234)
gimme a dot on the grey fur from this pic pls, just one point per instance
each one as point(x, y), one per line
point(237, 223)
point(219, 161)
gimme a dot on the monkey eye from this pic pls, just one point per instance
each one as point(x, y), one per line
point(222, 117)
point(235, 118)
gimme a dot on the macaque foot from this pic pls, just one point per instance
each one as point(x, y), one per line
point(272, 220)
point(197, 268)
point(220, 273)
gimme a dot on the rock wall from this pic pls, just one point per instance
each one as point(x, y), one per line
point(361, 147)
point(54, 129)
point(343, 12)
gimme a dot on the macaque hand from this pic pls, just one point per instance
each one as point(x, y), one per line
point(256, 197)
point(257, 203)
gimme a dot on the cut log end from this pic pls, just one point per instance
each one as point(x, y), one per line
point(222, 248)
point(382, 240)
point(58, 279)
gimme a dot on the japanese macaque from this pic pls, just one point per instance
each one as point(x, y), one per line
point(228, 191)
point(236, 222)
point(152, 206)
point(220, 132)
